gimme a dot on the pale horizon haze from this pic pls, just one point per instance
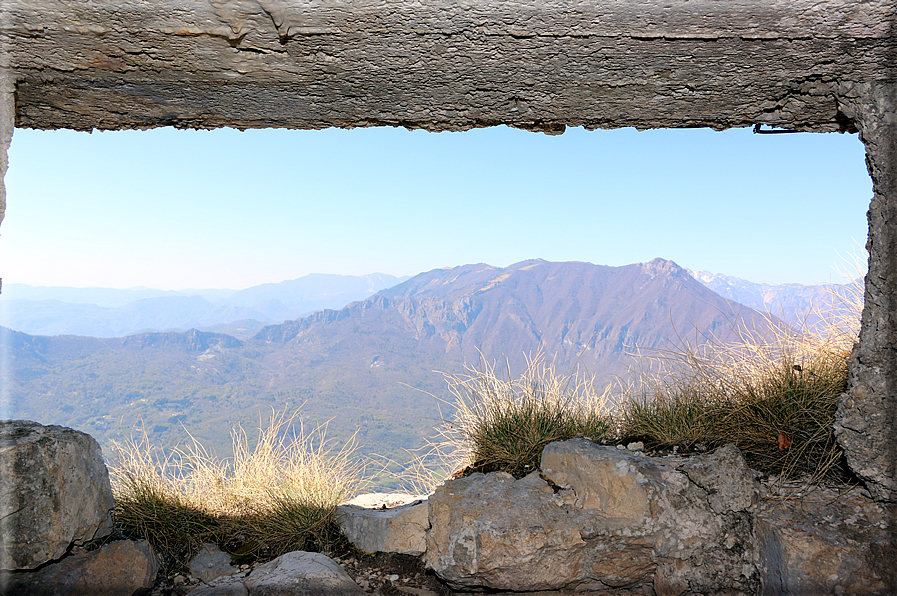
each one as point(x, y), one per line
point(172, 209)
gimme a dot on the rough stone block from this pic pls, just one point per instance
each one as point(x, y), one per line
point(491, 531)
point(56, 493)
point(827, 543)
point(724, 474)
point(399, 529)
point(608, 520)
point(119, 568)
point(294, 574)
point(211, 563)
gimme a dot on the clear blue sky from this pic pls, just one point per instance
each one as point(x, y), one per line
point(227, 209)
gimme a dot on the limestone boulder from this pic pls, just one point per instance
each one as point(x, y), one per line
point(293, 574)
point(384, 500)
point(492, 531)
point(56, 493)
point(827, 543)
point(600, 519)
point(210, 563)
point(386, 523)
point(119, 568)
point(726, 478)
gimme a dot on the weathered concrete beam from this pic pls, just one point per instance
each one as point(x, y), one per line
point(538, 64)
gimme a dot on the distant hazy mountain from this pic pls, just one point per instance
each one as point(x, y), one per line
point(105, 312)
point(316, 291)
point(107, 297)
point(574, 312)
point(367, 366)
point(793, 303)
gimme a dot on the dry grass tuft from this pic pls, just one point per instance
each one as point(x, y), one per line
point(773, 393)
point(422, 470)
point(278, 496)
point(503, 424)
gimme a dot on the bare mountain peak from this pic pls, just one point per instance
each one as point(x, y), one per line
point(568, 308)
point(578, 314)
point(661, 266)
point(527, 264)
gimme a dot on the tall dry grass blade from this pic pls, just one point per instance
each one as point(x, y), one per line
point(773, 380)
point(504, 423)
point(277, 494)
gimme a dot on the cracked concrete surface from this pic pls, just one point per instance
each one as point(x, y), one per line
point(440, 66)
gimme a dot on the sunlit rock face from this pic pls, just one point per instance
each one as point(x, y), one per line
point(385, 523)
point(600, 519)
point(799, 64)
point(56, 493)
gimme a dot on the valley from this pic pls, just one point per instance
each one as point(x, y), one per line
point(374, 366)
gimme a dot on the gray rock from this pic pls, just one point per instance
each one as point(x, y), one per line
point(615, 520)
point(56, 493)
point(827, 543)
point(491, 531)
point(400, 529)
point(211, 563)
point(864, 421)
point(293, 574)
point(7, 126)
point(726, 478)
point(384, 500)
point(695, 547)
point(116, 569)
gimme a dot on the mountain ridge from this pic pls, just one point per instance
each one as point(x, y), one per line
point(369, 366)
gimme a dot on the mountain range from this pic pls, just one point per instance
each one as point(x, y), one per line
point(794, 303)
point(374, 366)
point(106, 312)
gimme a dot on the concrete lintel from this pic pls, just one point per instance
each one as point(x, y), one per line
point(536, 64)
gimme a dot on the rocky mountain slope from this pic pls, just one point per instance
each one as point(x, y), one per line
point(369, 366)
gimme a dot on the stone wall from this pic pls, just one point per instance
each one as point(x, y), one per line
point(541, 65)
